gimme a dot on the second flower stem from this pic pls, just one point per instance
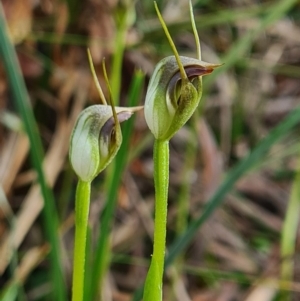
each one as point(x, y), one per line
point(153, 284)
point(82, 205)
point(161, 182)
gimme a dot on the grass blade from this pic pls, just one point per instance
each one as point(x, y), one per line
point(124, 18)
point(102, 260)
point(21, 99)
point(289, 234)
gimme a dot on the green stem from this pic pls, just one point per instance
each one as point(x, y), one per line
point(82, 205)
point(153, 285)
point(161, 182)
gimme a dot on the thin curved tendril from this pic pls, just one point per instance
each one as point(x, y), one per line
point(98, 87)
point(198, 46)
point(163, 24)
point(111, 103)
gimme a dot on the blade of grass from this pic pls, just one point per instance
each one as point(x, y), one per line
point(10, 293)
point(124, 19)
point(237, 172)
point(102, 252)
point(289, 234)
point(21, 99)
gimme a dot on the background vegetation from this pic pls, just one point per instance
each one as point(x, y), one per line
point(234, 171)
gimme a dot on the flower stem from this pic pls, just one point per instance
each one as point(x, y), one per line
point(161, 182)
point(82, 205)
point(153, 284)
